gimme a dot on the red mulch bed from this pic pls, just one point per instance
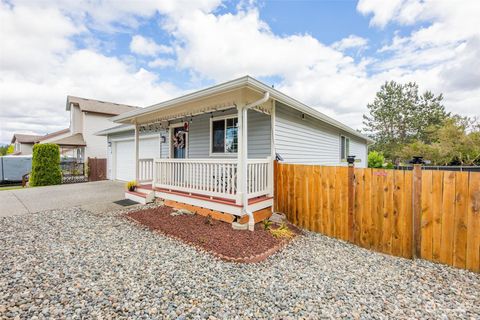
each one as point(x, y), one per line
point(212, 235)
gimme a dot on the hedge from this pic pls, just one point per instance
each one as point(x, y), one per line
point(45, 165)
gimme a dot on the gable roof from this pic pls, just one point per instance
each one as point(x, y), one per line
point(73, 140)
point(25, 138)
point(97, 106)
point(245, 81)
point(53, 134)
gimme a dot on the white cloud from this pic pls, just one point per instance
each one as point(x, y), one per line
point(161, 63)
point(352, 41)
point(40, 66)
point(440, 55)
point(147, 47)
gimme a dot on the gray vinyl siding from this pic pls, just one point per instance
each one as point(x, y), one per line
point(259, 137)
point(309, 140)
point(359, 150)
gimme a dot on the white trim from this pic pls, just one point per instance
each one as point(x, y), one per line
point(245, 81)
point(150, 136)
point(347, 141)
point(222, 154)
point(170, 137)
point(232, 209)
point(260, 205)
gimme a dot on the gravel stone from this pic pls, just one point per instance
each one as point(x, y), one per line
point(77, 264)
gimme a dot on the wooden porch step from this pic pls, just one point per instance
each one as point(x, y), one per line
point(138, 194)
point(200, 197)
point(140, 197)
point(213, 199)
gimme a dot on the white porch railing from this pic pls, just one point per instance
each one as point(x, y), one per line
point(145, 170)
point(213, 177)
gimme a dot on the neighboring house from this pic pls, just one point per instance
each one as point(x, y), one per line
point(23, 143)
point(214, 148)
point(87, 116)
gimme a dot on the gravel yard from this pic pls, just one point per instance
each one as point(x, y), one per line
point(73, 263)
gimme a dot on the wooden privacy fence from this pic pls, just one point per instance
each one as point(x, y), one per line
point(434, 215)
point(97, 169)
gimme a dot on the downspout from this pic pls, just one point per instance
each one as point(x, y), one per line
point(251, 219)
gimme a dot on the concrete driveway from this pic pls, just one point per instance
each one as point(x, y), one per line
point(93, 196)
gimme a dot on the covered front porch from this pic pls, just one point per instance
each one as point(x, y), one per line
point(215, 153)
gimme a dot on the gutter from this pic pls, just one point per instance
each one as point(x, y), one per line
point(244, 160)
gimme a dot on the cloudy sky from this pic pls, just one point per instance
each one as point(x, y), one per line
point(332, 55)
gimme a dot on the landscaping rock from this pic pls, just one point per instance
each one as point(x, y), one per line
point(277, 217)
point(179, 212)
point(239, 226)
point(75, 264)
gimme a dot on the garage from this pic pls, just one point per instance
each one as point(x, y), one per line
point(124, 156)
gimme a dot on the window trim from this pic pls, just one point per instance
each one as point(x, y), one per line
point(346, 150)
point(210, 137)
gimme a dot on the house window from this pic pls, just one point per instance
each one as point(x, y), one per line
point(344, 147)
point(225, 135)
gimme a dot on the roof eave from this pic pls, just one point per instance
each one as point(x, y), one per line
point(125, 117)
point(233, 84)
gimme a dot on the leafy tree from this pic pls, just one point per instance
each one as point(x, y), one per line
point(3, 150)
point(399, 115)
point(457, 142)
point(10, 149)
point(375, 159)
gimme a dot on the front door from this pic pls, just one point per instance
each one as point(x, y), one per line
point(179, 143)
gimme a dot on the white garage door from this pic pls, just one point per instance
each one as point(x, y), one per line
point(125, 160)
point(125, 156)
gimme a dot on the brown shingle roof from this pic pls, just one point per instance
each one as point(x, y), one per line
point(25, 138)
point(73, 140)
point(97, 106)
point(53, 134)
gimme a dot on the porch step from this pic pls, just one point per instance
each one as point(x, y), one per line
point(216, 204)
point(140, 197)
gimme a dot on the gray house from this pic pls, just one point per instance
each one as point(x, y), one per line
point(214, 148)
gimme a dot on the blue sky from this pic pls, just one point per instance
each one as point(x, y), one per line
point(332, 55)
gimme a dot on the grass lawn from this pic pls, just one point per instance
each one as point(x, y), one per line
point(10, 188)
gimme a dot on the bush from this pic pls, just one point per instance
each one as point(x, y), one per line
point(45, 165)
point(375, 159)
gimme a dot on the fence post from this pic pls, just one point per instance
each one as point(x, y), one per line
point(417, 206)
point(351, 198)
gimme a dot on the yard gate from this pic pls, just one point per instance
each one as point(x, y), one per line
point(434, 215)
point(97, 169)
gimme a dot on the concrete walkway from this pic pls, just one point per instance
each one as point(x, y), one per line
point(92, 196)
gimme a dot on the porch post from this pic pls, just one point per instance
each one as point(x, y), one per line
point(136, 148)
point(240, 174)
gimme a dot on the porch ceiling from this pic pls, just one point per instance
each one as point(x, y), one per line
point(224, 101)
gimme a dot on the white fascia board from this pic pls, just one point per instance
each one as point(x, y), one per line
point(234, 84)
point(106, 132)
point(223, 87)
point(293, 103)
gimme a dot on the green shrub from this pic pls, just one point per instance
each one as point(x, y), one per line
point(389, 165)
point(45, 165)
point(375, 159)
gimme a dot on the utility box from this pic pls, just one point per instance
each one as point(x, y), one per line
point(12, 168)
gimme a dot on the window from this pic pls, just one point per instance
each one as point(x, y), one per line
point(344, 147)
point(225, 135)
